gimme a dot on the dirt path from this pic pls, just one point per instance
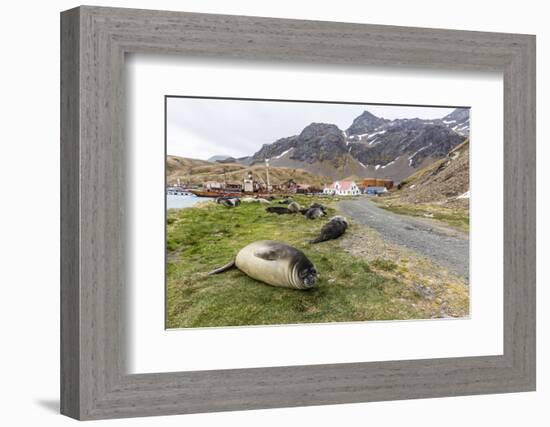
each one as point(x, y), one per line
point(443, 245)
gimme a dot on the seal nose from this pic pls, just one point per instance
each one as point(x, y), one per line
point(311, 277)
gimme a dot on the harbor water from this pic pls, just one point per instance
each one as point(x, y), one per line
point(181, 202)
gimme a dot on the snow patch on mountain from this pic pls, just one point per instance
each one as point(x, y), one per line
point(283, 153)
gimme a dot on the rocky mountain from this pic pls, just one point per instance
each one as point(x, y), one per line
point(273, 151)
point(371, 147)
point(365, 124)
point(459, 121)
point(446, 181)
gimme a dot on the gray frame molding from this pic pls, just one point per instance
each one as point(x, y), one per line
point(94, 41)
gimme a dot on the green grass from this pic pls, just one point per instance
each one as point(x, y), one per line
point(383, 264)
point(455, 217)
point(201, 239)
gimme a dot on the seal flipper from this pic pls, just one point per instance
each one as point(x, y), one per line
point(223, 269)
point(317, 240)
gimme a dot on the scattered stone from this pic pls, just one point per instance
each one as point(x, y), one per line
point(424, 291)
point(443, 310)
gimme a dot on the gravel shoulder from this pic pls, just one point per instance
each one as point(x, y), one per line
point(441, 244)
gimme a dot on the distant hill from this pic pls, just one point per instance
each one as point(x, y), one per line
point(193, 171)
point(371, 147)
point(176, 163)
point(444, 181)
point(218, 158)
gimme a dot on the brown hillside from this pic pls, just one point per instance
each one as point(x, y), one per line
point(192, 171)
point(174, 163)
point(442, 181)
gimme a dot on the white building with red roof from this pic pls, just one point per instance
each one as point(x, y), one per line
point(342, 188)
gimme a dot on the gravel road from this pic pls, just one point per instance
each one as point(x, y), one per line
point(445, 246)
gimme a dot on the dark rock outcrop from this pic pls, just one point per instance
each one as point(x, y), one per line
point(370, 146)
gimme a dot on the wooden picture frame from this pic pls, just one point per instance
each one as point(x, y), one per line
point(94, 382)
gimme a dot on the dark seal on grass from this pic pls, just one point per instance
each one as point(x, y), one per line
point(279, 210)
point(314, 213)
point(332, 229)
point(318, 205)
point(274, 263)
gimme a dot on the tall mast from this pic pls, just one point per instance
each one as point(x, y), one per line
point(267, 174)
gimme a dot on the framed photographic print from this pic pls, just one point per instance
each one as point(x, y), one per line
point(261, 213)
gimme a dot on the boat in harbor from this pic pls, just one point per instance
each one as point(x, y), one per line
point(176, 191)
point(211, 193)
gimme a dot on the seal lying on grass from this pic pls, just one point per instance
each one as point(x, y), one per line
point(279, 210)
point(318, 205)
point(314, 213)
point(229, 202)
point(332, 229)
point(274, 263)
point(294, 207)
point(255, 200)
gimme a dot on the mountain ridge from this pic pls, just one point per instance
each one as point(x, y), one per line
point(370, 147)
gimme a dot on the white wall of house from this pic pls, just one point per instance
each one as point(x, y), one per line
point(336, 188)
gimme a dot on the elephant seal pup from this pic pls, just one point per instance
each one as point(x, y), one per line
point(274, 263)
point(229, 202)
point(249, 199)
point(314, 213)
point(294, 207)
point(332, 229)
point(279, 210)
point(318, 205)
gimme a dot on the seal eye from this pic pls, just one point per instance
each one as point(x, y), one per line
point(308, 272)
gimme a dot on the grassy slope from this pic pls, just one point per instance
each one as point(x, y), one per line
point(349, 288)
point(434, 191)
point(455, 216)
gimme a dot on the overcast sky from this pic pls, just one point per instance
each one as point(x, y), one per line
point(202, 128)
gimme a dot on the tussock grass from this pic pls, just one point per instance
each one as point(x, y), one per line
point(456, 217)
point(384, 264)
